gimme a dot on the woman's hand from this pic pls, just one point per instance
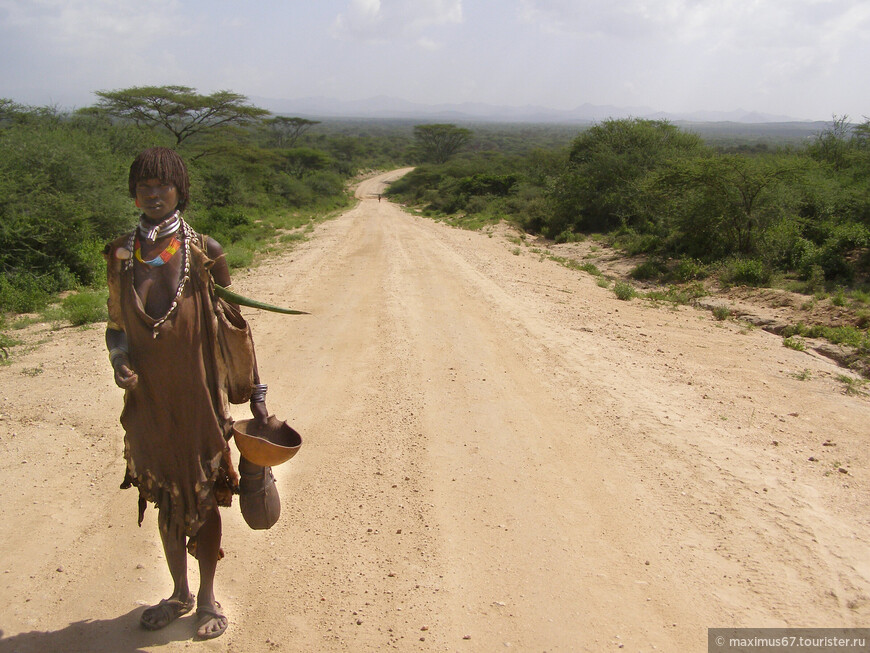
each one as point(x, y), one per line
point(125, 377)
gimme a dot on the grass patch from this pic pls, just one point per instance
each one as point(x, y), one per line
point(32, 371)
point(722, 313)
point(624, 291)
point(680, 295)
point(860, 296)
point(839, 335)
point(854, 387)
point(6, 343)
point(794, 342)
point(803, 375)
point(573, 264)
point(85, 307)
point(293, 237)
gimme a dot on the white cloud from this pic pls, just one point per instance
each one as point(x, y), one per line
point(752, 48)
point(428, 44)
point(92, 27)
point(388, 20)
point(745, 21)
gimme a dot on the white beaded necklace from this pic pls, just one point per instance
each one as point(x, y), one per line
point(187, 235)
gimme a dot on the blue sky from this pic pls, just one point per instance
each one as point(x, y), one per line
point(803, 58)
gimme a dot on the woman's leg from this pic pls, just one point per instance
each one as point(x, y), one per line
point(211, 622)
point(181, 602)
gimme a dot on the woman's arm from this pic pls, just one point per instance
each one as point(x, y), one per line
point(220, 272)
point(125, 377)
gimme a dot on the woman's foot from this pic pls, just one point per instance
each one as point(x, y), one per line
point(164, 613)
point(210, 622)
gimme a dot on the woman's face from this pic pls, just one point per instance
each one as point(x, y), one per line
point(157, 199)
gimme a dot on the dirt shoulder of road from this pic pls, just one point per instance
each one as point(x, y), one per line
point(773, 309)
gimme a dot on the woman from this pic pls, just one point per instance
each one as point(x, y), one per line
point(165, 351)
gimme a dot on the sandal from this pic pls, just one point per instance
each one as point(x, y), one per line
point(204, 615)
point(167, 611)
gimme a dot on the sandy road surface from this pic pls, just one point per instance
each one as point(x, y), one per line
point(498, 454)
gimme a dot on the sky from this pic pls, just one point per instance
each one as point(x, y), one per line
point(806, 59)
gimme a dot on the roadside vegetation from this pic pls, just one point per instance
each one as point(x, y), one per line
point(784, 208)
point(696, 213)
point(257, 182)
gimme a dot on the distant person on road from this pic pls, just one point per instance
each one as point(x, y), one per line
point(164, 349)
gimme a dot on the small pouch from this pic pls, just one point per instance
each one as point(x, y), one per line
point(258, 496)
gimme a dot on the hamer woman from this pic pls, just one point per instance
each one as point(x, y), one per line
point(165, 352)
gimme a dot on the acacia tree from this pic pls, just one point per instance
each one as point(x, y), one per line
point(722, 203)
point(600, 188)
point(438, 142)
point(287, 130)
point(179, 109)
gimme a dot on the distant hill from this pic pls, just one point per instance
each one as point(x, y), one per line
point(388, 108)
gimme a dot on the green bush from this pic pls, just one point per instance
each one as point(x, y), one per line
point(85, 307)
point(747, 272)
point(721, 313)
point(841, 335)
point(634, 243)
point(22, 293)
point(624, 291)
point(689, 269)
point(239, 255)
point(651, 269)
point(795, 343)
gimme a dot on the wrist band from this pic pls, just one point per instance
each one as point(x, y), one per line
point(116, 352)
point(258, 393)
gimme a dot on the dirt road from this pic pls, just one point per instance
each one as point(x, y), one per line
point(499, 454)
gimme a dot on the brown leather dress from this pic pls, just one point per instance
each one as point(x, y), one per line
point(176, 420)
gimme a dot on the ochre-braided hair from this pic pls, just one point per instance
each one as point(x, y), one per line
point(164, 164)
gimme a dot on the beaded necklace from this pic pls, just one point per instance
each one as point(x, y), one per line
point(162, 257)
point(187, 236)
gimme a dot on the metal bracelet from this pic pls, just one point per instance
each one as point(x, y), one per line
point(258, 393)
point(116, 352)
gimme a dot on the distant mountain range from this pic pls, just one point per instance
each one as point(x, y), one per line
point(384, 107)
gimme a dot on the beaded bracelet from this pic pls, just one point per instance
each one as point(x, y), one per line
point(258, 393)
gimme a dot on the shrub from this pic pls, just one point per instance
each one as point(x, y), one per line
point(748, 272)
point(634, 243)
point(477, 204)
point(721, 313)
point(689, 269)
point(22, 293)
point(85, 307)
point(239, 255)
point(568, 236)
point(795, 343)
point(624, 291)
point(651, 269)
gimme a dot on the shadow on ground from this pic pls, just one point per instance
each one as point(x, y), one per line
point(119, 635)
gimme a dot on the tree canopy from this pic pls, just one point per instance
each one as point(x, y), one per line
point(179, 109)
point(438, 142)
point(286, 130)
